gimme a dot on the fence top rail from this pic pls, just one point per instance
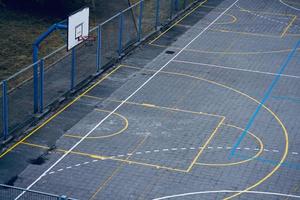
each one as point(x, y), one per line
point(132, 6)
point(54, 52)
point(22, 70)
point(32, 191)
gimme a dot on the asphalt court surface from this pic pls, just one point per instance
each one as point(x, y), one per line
point(173, 138)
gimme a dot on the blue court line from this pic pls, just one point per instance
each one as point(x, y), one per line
point(293, 99)
point(266, 96)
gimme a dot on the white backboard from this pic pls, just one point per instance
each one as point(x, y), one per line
point(78, 26)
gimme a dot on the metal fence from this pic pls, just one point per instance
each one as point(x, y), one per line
point(8, 192)
point(39, 86)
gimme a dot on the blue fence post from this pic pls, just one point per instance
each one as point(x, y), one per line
point(184, 4)
point(121, 21)
point(41, 86)
point(140, 20)
point(157, 18)
point(4, 109)
point(99, 48)
point(35, 88)
point(73, 67)
point(176, 5)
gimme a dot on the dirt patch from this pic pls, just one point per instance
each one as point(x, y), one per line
point(19, 30)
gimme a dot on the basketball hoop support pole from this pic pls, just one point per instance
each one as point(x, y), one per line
point(35, 58)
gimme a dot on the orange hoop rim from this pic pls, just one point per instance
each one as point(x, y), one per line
point(86, 38)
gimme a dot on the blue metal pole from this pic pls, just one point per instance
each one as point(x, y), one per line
point(99, 48)
point(35, 88)
point(73, 67)
point(4, 109)
point(140, 20)
point(120, 32)
point(42, 86)
point(176, 5)
point(157, 21)
point(184, 4)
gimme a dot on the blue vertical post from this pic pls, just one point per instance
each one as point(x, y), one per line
point(176, 5)
point(4, 109)
point(99, 48)
point(35, 88)
point(121, 21)
point(157, 18)
point(41, 86)
point(140, 20)
point(73, 67)
point(184, 4)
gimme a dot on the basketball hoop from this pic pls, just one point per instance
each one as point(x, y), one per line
point(86, 38)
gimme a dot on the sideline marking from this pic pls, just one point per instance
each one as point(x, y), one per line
point(124, 101)
point(237, 69)
point(288, 26)
point(59, 112)
point(266, 96)
point(193, 10)
point(228, 191)
point(104, 136)
point(285, 133)
point(292, 7)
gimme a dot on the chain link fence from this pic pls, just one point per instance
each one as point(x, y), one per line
point(40, 86)
point(15, 193)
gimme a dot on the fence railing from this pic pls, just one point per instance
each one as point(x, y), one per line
point(8, 192)
point(39, 86)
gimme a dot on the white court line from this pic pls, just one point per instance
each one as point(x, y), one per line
point(237, 69)
point(229, 191)
point(124, 101)
point(292, 7)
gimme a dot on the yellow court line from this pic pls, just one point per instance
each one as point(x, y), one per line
point(100, 157)
point(288, 26)
point(261, 148)
point(285, 133)
point(117, 169)
point(104, 136)
point(186, 15)
point(254, 11)
point(93, 156)
point(157, 107)
point(245, 33)
point(59, 112)
point(64, 151)
point(229, 52)
point(206, 144)
point(234, 19)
